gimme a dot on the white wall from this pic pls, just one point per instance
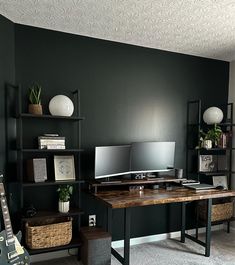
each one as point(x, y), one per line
point(231, 98)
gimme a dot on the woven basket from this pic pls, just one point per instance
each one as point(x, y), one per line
point(219, 212)
point(48, 233)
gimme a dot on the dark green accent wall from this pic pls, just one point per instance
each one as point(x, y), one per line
point(128, 94)
point(7, 75)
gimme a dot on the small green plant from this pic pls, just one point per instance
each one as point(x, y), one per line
point(35, 94)
point(213, 134)
point(65, 192)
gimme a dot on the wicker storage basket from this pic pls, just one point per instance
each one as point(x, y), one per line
point(219, 212)
point(48, 233)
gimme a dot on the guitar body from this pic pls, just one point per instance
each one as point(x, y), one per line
point(11, 252)
point(21, 256)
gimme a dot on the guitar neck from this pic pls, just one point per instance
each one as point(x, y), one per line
point(6, 218)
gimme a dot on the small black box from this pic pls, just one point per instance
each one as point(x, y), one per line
point(96, 246)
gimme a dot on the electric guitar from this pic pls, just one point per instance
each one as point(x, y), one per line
point(11, 252)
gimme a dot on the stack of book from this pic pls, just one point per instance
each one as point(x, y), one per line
point(51, 142)
point(225, 140)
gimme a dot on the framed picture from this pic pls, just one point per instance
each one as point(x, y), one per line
point(64, 167)
point(220, 181)
point(207, 163)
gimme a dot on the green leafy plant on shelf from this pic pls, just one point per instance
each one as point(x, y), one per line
point(35, 94)
point(214, 135)
point(65, 192)
point(35, 106)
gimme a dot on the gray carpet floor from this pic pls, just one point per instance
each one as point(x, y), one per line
point(172, 252)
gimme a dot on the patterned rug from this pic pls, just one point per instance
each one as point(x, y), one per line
point(172, 252)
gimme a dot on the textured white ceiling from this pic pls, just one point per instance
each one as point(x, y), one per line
point(198, 27)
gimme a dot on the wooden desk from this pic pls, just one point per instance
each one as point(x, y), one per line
point(127, 200)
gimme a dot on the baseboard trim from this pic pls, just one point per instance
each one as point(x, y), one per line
point(155, 238)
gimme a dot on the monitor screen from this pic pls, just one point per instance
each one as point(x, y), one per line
point(112, 161)
point(152, 156)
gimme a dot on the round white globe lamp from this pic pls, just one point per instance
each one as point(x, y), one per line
point(61, 105)
point(213, 115)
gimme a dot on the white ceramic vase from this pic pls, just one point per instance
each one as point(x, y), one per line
point(207, 144)
point(63, 207)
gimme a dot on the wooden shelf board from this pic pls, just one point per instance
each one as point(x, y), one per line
point(211, 149)
point(48, 183)
point(50, 150)
point(48, 214)
point(216, 173)
point(75, 242)
point(220, 124)
point(48, 116)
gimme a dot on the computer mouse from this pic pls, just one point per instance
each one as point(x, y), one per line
point(220, 187)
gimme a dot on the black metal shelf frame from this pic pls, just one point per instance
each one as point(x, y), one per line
point(49, 214)
point(228, 151)
point(199, 124)
point(21, 151)
point(52, 183)
point(47, 116)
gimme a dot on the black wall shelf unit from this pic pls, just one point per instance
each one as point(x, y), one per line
point(194, 125)
point(25, 152)
point(193, 136)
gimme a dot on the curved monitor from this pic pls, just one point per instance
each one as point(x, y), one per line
point(136, 158)
point(152, 157)
point(112, 161)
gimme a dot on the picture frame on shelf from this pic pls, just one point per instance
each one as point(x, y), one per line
point(37, 170)
point(207, 163)
point(220, 181)
point(64, 168)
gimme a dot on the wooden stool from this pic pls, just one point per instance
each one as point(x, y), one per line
point(96, 246)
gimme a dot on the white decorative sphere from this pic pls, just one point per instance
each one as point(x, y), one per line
point(213, 115)
point(61, 105)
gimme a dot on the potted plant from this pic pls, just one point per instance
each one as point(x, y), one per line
point(65, 192)
point(211, 138)
point(35, 106)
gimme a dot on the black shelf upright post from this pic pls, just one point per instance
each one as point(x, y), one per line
point(231, 145)
point(230, 155)
point(19, 145)
point(76, 96)
point(198, 124)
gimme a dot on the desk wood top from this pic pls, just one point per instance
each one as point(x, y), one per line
point(125, 199)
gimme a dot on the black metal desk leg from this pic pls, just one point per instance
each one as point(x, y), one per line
point(183, 220)
point(127, 219)
point(208, 228)
point(197, 220)
point(228, 227)
point(109, 220)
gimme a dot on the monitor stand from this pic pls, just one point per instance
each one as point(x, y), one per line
point(110, 181)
